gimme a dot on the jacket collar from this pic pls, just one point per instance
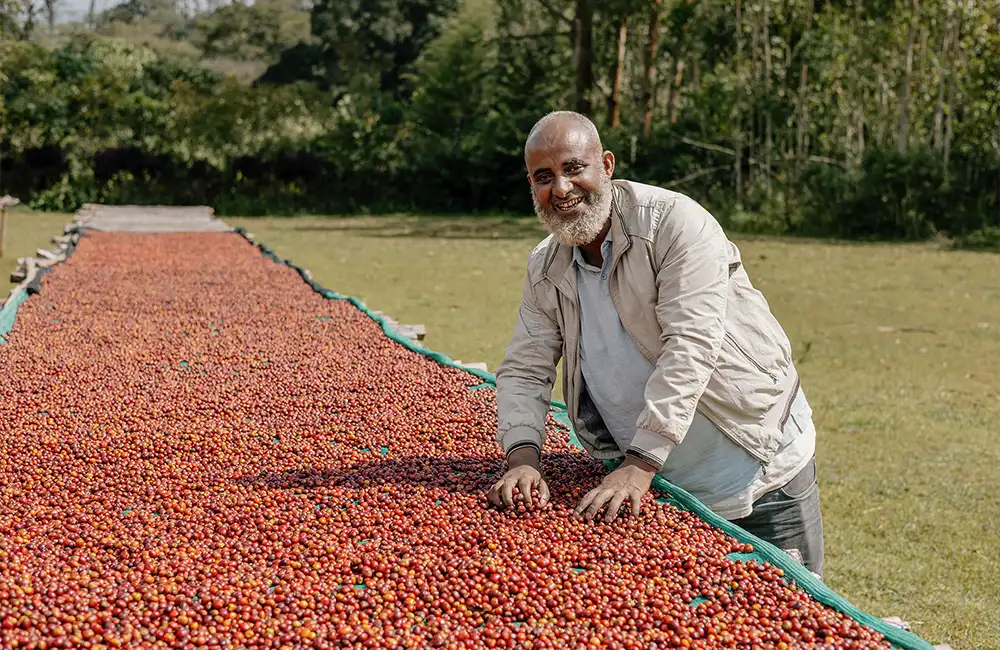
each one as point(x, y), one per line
point(559, 263)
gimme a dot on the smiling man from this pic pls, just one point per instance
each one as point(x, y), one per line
point(672, 360)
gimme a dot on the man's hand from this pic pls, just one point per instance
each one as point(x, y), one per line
point(630, 481)
point(524, 473)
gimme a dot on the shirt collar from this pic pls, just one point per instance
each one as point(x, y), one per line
point(605, 251)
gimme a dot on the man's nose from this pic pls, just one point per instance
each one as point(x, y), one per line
point(562, 187)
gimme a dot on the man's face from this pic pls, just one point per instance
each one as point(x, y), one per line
point(570, 183)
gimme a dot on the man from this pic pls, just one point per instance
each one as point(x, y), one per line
point(671, 358)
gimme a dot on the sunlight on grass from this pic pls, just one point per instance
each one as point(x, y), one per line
point(27, 231)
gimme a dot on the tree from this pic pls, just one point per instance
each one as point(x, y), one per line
point(243, 32)
point(614, 97)
point(17, 19)
point(583, 54)
point(652, 54)
point(376, 38)
point(904, 104)
point(50, 13)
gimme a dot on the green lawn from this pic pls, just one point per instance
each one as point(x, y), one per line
point(27, 231)
point(898, 347)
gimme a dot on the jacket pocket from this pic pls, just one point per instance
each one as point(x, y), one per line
point(749, 357)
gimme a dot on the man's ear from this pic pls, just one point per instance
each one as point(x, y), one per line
point(609, 163)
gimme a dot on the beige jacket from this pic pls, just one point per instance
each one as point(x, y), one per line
point(684, 298)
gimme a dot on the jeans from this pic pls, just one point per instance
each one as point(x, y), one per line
point(790, 518)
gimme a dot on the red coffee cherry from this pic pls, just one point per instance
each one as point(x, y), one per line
point(198, 451)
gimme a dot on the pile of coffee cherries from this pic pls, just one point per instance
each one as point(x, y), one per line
point(199, 451)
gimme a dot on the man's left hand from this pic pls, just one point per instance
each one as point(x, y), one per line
point(629, 482)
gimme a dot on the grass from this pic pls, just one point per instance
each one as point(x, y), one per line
point(27, 231)
point(897, 346)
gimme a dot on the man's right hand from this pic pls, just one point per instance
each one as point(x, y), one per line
point(524, 474)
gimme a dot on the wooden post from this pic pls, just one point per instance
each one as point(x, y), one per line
point(3, 228)
point(4, 202)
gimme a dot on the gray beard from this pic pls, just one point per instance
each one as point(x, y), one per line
point(585, 228)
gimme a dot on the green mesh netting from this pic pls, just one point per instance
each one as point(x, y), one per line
point(9, 313)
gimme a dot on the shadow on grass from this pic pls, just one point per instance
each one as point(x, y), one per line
point(430, 227)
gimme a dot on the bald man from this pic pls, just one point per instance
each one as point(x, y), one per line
point(672, 360)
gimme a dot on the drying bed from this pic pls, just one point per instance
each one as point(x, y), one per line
point(200, 449)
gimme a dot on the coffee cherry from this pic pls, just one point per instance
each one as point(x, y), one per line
point(197, 450)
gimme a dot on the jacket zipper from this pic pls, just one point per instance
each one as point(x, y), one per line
point(749, 358)
point(572, 353)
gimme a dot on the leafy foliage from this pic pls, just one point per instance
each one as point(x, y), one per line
point(375, 38)
point(863, 120)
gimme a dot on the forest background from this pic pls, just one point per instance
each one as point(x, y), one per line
point(866, 119)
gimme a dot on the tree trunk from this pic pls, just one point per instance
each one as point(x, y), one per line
point(738, 126)
point(755, 115)
point(861, 92)
point(614, 100)
point(675, 90)
point(29, 21)
point(786, 75)
point(946, 156)
point(90, 13)
point(802, 122)
point(861, 131)
point(766, 20)
point(903, 140)
point(652, 48)
point(50, 13)
point(803, 109)
point(922, 52)
point(786, 136)
point(944, 71)
point(584, 55)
